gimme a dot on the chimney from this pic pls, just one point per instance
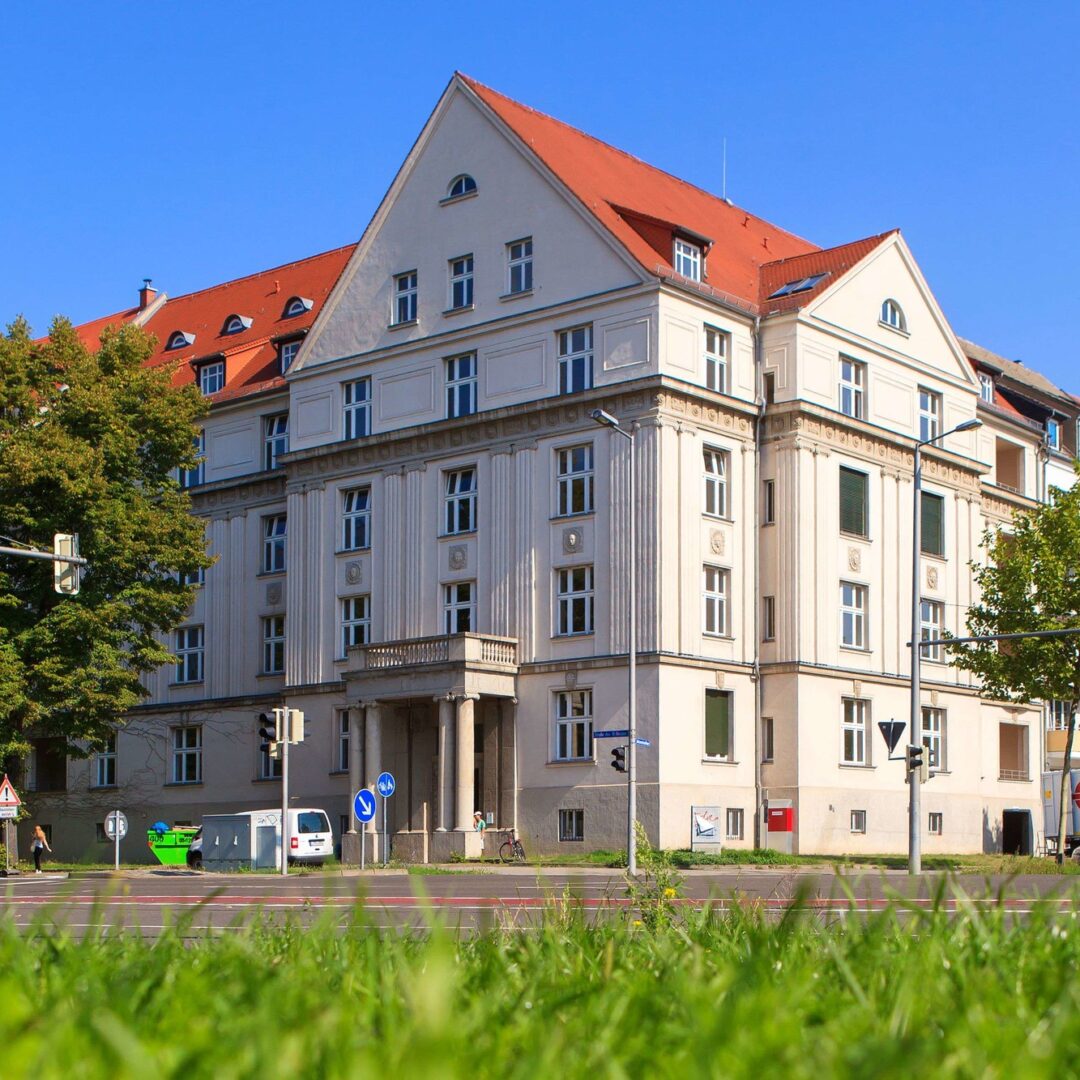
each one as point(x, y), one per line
point(146, 294)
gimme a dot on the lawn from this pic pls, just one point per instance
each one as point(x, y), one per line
point(738, 995)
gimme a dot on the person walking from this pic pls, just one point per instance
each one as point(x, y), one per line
point(38, 844)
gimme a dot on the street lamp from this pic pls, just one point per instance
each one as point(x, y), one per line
point(605, 419)
point(914, 811)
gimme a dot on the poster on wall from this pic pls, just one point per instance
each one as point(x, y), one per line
point(705, 834)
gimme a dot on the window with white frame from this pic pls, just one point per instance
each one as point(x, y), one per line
point(189, 654)
point(853, 615)
point(236, 324)
point(852, 388)
point(404, 298)
point(858, 821)
point(356, 519)
point(274, 540)
point(892, 315)
point(212, 377)
point(193, 579)
point(716, 581)
point(356, 403)
point(573, 725)
point(571, 825)
point(1058, 714)
point(343, 732)
point(519, 263)
point(933, 737)
point(460, 501)
point(575, 359)
point(574, 601)
point(734, 823)
point(855, 732)
point(688, 260)
point(929, 414)
point(719, 725)
point(986, 387)
point(461, 385)
point(189, 478)
point(104, 764)
point(936, 824)
point(355, 622)
point(461, 282)
point(768, 502)
point(766, 738)
point(297, 305)
point(287, 354)
point(768, 618)
point(273, 636)
point(717, 350)
point(574, 479)
point(1053, 433)
point(187, 748)
point(275, 439)
point(717, 468)
point(459, 607)
point(931, 627)
point(460, 186)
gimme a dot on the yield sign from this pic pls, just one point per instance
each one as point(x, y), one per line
point(891, 731)
point(8, 797)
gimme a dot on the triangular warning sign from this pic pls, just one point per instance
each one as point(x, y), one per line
point(8, 796)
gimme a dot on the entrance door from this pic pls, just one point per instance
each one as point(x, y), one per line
point(1016, 832)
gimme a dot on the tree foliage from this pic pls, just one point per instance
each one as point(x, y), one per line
point(89, 443)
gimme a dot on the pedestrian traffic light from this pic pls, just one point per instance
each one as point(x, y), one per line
point(618, 758)
point(916, 759)
point(269, 733)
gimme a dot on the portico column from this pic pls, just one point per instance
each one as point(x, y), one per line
point(372, 752)
point(465, 761)
point(356, 757)
point(446, 753)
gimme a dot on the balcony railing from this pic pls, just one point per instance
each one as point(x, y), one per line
point(484, 650)
point(1013, 774)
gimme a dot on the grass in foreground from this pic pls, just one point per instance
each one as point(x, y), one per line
point(728, 996)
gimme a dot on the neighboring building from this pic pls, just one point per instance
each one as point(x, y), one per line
point(422, 534)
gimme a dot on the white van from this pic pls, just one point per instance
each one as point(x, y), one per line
point(252, 839)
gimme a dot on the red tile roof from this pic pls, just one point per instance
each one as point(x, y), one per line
point(90, 333)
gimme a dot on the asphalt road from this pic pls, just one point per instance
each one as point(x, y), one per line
point(147, 901)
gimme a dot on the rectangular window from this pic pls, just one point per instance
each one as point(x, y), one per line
point(341, 748)
point(688, 260)
point(192, 579)
point(356, 519)
point(404, 298)
point(189, 654)
point(212, 377)
point(573, 725)
point(574, 471)
point(460, 501)
point(187, 754)
point(104, 767)
point(274, 539)
point(571, 825)
point(356, 396)
point(461, 282)
point(858, 821)
point(519, 264)
point(717, 350)
point(854, 502)
point(986, 387)
point(933, 524)
point(273, 635)
point(716, 605)
point(768, 618)
point(1053, 434)
point(855, 732)
point(574, 601)
point(853, 615)
point(719, 725)
point(1013, 753)
point(734, 824)
point(189, 478)
point(936, 824)
point(1057, 715)
point(275, 439)
point(717, 467)
point(933, 737)
point(461, 385)
point(932, 625)
point(287, 354)
point(768, 503)
point(929, 414)
point(766, 738)
point(459, 607)
point(852, 388)
point(575, 359)
point(355, 622)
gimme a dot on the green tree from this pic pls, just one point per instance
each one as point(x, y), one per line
point(89, 441)
point(1031, 582)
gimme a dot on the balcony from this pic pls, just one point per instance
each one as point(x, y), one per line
point(481, 649)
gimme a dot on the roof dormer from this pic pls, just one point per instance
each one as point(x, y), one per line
point(297, 305)
point(236, 324)
point(180, 339)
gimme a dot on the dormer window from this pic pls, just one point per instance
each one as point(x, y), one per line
point(212, 377)
point(892, 315)
point(236, 324)
point(461, 186)
point(688, 260)
point(297, 305)
point(1053, 433)
point(986, 387)
point(288, 351)
point(180, 339)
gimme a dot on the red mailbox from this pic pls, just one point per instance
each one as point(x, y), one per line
point(781, 819)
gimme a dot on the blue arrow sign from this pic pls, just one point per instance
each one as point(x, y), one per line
point(643, 742)
point(385, 784)
point(611, 734)
point(364, 805)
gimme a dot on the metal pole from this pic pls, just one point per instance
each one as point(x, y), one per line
point(914, 811)
point(116, 839)
point(385, 846)
point(284, 713)
point(631, 769)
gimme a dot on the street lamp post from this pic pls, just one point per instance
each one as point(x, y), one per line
point(605, 419)
point(914, 780)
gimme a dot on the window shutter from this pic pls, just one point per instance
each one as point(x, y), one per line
point(853, 489)
point(933, 524)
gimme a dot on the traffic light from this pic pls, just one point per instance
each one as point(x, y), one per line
point(269, 733)
point(296, 725)
point(65, 574)
point(916, 759)
point(618, 758)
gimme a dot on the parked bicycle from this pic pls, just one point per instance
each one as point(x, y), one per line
point(511, 849)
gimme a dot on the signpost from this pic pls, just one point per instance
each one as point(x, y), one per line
point(386, 786)
point(116, 827)
point(9, 810)
point(364, 805)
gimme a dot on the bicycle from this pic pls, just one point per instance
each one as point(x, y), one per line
point(511, 850)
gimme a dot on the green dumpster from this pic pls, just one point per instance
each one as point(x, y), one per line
point(170, 847)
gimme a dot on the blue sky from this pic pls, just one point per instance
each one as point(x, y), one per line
point(197, 142)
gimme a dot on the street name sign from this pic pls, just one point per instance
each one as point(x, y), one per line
point(622, 733)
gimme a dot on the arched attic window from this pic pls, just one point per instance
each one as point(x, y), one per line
point(236, 324)
point(296, 305)
point(460, 186)
point(892, 315)
point(180, 339)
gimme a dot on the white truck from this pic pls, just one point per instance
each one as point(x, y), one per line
point(252, 840)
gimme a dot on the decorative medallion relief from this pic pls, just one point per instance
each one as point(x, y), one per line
point(273, 594)
point(717, 541)
point(854, 559)
point(458, 557)
point(856, 687)
point(570, 679)
point(354, 573)
point(931, 577)
point(572, 540)
point(720, 680)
